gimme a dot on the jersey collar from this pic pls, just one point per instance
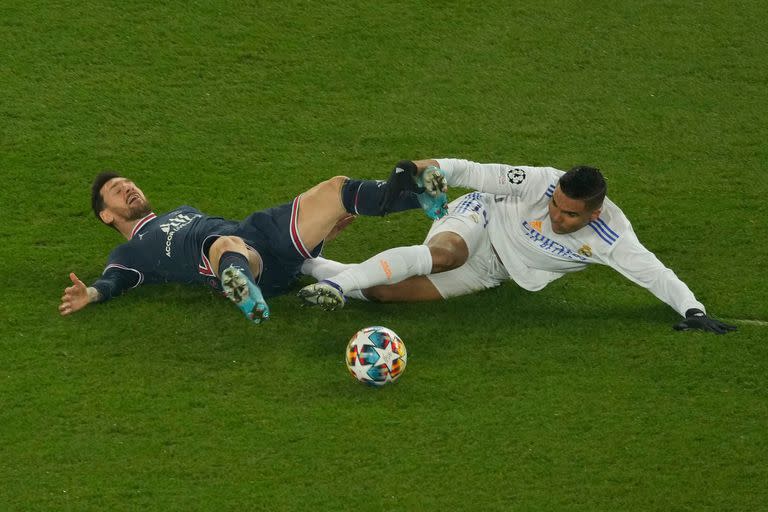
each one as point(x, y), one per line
point(142, 222)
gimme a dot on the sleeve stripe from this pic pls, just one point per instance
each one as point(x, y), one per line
point(122, 267)
point(610, 231)
point(603, 233)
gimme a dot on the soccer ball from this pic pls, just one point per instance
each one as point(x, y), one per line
point(376, 355)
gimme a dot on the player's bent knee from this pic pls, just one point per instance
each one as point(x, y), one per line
point(448, 256)
point(226, 243)
point(334, 184)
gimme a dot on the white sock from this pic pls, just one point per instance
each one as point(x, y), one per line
point(388, 267)
point(321, 268)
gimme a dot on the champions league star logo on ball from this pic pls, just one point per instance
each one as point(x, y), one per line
point(376, 356)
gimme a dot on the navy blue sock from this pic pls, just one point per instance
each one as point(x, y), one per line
point(398, 193)
point(237, 260)
point(367, 197)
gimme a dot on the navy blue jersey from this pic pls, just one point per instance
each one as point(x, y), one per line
point(174, 248)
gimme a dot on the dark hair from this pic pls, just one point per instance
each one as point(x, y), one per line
point(97, 200)
point(586, 184)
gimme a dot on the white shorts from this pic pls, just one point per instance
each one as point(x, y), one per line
point(468, 217)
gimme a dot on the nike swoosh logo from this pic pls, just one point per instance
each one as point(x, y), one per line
point(399, 170)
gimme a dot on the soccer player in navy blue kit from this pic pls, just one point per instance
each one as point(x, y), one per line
point(252, 260)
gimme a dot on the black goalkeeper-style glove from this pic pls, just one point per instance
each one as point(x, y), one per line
point(697, 319)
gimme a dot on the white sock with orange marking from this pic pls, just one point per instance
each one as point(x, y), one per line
point(388, 267)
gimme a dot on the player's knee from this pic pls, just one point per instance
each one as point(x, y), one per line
point(335, 184)
point(226, 243)
point(448, 253)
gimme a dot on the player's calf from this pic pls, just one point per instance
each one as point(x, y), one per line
point(400, 192)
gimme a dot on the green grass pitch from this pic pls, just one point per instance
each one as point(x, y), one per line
point(578, 397)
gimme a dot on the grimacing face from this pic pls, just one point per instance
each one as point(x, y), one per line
point(568, 215)
point(123, 200)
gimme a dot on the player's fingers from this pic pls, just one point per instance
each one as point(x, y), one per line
point(75, 280)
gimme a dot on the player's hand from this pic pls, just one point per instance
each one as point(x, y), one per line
point(75, 297)
point(433, 181)
point(697, 319)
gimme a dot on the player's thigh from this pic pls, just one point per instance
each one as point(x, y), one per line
point(413, 289)
point(482, 271)
point(319, 209)
point(462, 231)
point(448, 250)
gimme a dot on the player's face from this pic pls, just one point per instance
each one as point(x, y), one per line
point(124, 200)
point(569, 215)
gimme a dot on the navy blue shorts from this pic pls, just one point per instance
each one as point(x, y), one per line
point(274, 234)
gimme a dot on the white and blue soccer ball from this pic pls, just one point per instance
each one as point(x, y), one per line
point(376, 355)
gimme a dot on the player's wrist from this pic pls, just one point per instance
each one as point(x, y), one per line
point(93, 294)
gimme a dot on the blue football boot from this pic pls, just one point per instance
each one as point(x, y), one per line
point(245, 294)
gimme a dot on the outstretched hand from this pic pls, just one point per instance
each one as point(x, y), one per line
point(697, 319)
point(75, 297)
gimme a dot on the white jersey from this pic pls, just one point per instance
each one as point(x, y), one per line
point(521, 233)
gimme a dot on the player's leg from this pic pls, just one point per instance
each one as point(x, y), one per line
point(444, 251)
point(481, 271)
point(413, 289)
point(450, 242)
point(324, 206)
point(321, 268)
point(236, 267)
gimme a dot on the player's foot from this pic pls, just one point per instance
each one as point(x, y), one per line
point(325, 294)
point(429, 188)
point(401, 181)
point(245, 294)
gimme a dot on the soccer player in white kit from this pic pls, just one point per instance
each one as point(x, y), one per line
point(529, 224)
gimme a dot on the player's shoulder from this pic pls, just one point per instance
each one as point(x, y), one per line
point(181, 210)
point(126, 252)
point(611, 226)
point(530, 171)
point(535, 182)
